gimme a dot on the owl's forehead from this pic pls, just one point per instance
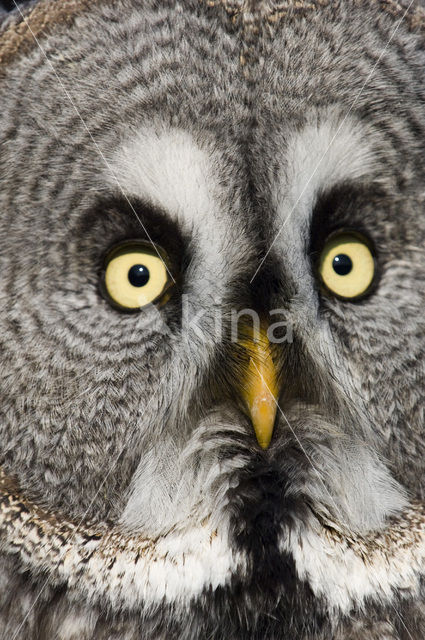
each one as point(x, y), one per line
point(185, 174)
point(184, 101)
point(251, 21)
point(294, 51)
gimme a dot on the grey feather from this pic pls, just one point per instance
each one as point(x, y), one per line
point(135, 500)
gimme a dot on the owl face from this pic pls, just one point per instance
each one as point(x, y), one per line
point(169, 177)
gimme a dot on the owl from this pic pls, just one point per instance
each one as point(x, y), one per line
point(212, 330)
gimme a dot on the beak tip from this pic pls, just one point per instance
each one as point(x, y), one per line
point(264, 444)
point(263, 423)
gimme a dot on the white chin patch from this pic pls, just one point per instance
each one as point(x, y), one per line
point(135, 572)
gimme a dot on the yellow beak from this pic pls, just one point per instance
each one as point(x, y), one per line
point(260, 388)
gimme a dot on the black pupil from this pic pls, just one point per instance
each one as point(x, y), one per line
point(138, 275)
point(342, 264)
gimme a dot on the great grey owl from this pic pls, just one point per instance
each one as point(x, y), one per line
point(212, 248)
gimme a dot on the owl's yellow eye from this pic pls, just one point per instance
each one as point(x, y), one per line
point(347, 265)
point(135, 275)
